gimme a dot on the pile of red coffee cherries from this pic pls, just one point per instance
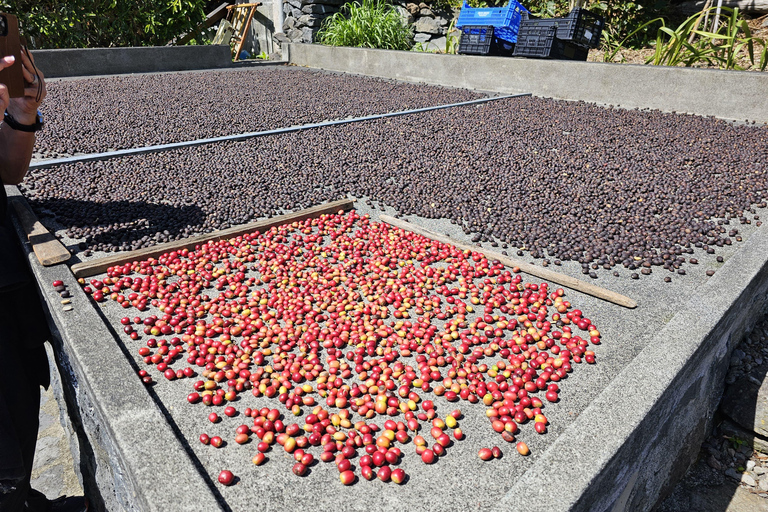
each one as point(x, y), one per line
point(353, 328)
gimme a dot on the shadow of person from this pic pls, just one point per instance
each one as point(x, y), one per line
point(712, 484)
point(119, 225)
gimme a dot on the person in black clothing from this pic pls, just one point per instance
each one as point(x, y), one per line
point(23, 327)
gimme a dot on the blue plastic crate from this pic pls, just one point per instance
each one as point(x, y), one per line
point(505, 20)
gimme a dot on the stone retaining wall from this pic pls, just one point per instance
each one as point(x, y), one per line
point(431, 23)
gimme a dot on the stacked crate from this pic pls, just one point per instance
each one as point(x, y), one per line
point(567, 38)
point(489, 30)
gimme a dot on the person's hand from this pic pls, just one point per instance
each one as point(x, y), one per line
point(5, 99)
point(24, 109)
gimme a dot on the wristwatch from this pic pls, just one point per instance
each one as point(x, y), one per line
point(13, 123)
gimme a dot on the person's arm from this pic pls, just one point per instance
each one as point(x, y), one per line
point(15, 145)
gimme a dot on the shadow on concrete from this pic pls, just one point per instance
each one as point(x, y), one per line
point(212, 487)
point(706, 487)
point(123, 224)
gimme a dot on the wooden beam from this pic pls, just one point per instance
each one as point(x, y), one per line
point(543, 273)
point(755, 6)
point(98, 266)
point(48, 249)
point(212, 18)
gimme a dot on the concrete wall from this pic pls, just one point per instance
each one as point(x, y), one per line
point(735, 95)
point(627, 450)
point(113, 61)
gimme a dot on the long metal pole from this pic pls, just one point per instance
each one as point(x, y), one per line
point(45, 164)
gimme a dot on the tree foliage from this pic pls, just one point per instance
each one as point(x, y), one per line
point(104, 23)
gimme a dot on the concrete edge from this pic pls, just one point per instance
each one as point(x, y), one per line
point(237, 66)
point(113, 61)
point(659, 409)
point(725, 94)
point(124, 438)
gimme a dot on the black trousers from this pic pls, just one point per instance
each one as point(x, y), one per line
point(19, 410)
point(23, 369)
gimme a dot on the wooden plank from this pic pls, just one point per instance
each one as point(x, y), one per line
point(543, 273)
point(238, 6)
point(212, 18)
point(48, 249)
point(98, 266)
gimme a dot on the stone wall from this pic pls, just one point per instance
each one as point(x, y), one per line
point(303, 19)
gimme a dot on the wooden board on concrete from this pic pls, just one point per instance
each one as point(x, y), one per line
point(48, 249)
point(98, 266)
point(543, 273)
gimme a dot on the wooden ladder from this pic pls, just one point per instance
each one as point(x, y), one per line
point(240, 16)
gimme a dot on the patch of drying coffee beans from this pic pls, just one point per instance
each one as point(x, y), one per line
point(363, 338)
point(102, 114)
point(563, 180)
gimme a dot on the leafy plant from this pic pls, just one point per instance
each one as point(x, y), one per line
point(104, 23)
point(548, 8)
point(451, 40)
point(372, 24)
point(263, 56)
point(690, 45)
point(623, 17)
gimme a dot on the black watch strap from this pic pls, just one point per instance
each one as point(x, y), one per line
point(31, 128)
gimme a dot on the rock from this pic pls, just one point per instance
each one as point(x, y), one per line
point(427, 12)
point(294, 3)
point(735, 361)
point(442, 21)
point(310, 21)
point(422, 5)
point(730, 472)
point(437, 44)
point(738, 353)
point(750, 465)
point(746, 478)
point(714, 463)
point(760, 470)
point(765, 22)
point(308, 34)
point(421, 38)
point(405, 14)
point(412, 8)
point(319, 9)
point(758, 361)
point(730, 429)
point(746, 403)
point(763, 484)
point(426, 26)
point(289, 23)
point(294, 35)
point(296, 13)
point(281, 38)
point(325, 2)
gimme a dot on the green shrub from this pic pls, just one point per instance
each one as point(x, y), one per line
point(372, 24)
point(104, 23)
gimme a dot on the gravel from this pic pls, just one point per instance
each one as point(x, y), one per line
point(103, 114)
point(554, 180)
